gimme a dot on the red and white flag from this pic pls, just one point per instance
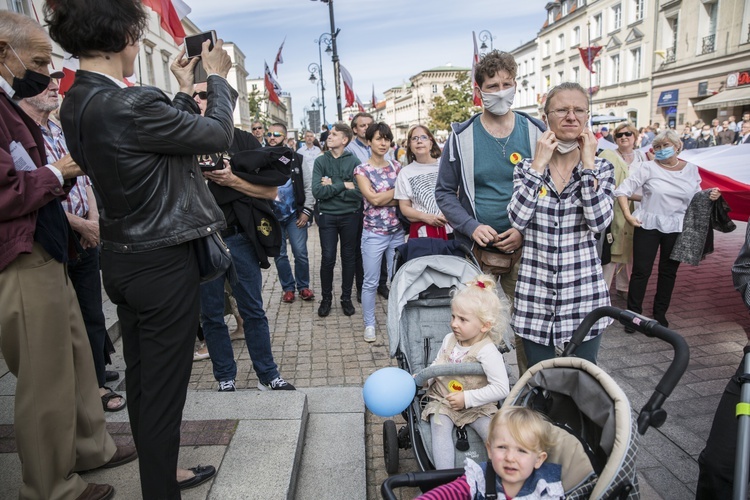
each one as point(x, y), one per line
point(588, 55)
point(272, 86)
point(170, 20)
point(348, 86)
point(70, 66)
point(374, 101)
point(279, 59)
point(359, 104)
point(477, 96)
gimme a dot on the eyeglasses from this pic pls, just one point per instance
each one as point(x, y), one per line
point(417, 138)
point(203, 95)
point(257, 128)
point(619, 135)
point(274, 134)
point(562, 113)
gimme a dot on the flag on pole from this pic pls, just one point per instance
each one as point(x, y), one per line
point(279, 59)
point(170, 20)
point(588, 54)
point(348, 86)
point(374, 101)
point(272, 86)
point(477, 96)
point(359, 104)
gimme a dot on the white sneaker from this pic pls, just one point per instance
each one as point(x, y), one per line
point(369, 334)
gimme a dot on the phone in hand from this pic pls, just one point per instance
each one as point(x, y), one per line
point(194, 47)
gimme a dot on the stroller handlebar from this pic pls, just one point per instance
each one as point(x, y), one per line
point(422, 376)
point(652, 414)
point(427, 480)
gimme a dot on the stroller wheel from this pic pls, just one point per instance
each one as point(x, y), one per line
point(390, 446)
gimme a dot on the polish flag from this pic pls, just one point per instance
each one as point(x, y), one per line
point(70, 66)
point(170, 19)
point(348, 86)
point(279, 59)
point(374, 101)
point(359, 104)
point(477, 96)
point(272, 87)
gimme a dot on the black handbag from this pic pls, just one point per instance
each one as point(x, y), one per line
point(214, 258)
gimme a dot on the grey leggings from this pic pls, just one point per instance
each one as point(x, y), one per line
point(443, 450)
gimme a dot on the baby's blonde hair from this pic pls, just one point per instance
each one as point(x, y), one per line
point(479, 298)
point(528, 427)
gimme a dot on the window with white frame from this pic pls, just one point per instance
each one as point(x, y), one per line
point(565, 8)
point(532, 70)
point(614, 70)
point(560, 78)
point(546, 49)
point(598, 26)
point(575, 38)
point(640, 9)
point(581, 3)
point(148, 48)
point(575, 75)
point(596, 67)
point(635, 63)
point(19, 6)
point(166, 70)
point(560, 42)
point(550, 16)
point(617, 17)
point(547, 83)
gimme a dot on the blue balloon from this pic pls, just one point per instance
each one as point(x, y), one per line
point(389, 391)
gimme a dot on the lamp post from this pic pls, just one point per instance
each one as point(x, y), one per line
point(335, 58)
point(315, 70)
point(324, 38)
point(485, 36)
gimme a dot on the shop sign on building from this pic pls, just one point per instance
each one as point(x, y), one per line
point(738, 79)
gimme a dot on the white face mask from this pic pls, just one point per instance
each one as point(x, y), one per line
point(565, 147)
point(498, 103)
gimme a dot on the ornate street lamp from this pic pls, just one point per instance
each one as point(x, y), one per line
point(485, 36)
point(335, 58)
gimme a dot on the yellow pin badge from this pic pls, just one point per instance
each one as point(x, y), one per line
point(515, 158)
point(542, 192)
point(455, 386)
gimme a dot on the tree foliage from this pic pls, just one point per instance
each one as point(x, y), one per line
point(455, 105)
point(254, 100)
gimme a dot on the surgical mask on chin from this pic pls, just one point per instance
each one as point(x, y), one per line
point(498, 103)
point(32, 83)
point(664, 153)
point(565, 147)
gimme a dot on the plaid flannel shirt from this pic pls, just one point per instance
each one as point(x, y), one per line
point(560, 276)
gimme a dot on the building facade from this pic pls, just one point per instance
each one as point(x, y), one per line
point(704, 69)
point(528, 97)
point(269, 112)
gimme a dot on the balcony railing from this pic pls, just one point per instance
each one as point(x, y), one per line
point(709, 44)
point(671, 55)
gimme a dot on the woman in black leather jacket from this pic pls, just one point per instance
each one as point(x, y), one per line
point(139, 150)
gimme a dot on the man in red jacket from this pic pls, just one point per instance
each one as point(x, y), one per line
point(59, 420)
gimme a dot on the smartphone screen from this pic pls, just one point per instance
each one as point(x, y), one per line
point(194, 43)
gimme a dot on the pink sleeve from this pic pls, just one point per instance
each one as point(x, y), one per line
point(455, 490)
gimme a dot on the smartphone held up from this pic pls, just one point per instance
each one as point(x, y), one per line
point(194, 47)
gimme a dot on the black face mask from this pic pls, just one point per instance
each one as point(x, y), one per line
point(32, 83)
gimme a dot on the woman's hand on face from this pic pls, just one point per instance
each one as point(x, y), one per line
point(217, 60)
point(588, 144)
point(182, 69)
point(545, 147)
point(715, 194)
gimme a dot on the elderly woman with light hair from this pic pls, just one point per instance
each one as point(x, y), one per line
point(668, 185)
point(625, 159)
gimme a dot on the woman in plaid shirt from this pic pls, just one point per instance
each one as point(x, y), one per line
point(561, 199)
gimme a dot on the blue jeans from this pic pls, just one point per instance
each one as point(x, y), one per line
point(247, 292)
point(297, 237)
point(374, 246)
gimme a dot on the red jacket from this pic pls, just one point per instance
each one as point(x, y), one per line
point(22, 193)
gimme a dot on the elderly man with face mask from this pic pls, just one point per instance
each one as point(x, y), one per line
point(59, 422)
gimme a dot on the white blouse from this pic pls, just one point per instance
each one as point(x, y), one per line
point(666, 194)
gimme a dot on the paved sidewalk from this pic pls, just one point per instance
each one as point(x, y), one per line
point(320, 352)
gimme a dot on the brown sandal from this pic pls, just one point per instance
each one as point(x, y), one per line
point(110, 395)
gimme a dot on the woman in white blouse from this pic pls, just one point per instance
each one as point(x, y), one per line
point(668, 185)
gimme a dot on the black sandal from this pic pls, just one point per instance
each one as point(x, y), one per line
point(110, 395)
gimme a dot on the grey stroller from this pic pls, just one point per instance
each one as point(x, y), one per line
point(419, 315)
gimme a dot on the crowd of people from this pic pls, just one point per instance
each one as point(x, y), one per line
point(140, 198)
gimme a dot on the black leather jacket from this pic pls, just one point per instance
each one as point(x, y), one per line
point(139, 149)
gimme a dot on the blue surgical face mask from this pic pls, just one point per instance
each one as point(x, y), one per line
point(664, 153)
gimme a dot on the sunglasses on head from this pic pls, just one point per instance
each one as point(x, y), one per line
point(625, 134)
point(274, 134)
point(202, 95)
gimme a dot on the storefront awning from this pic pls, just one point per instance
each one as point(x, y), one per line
point(727, 99)
point(668, 98)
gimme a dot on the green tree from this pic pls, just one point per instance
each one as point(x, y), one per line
point(455, 105)
point(254, 100)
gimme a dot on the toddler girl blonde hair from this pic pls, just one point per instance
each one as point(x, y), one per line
point(529, 428)
point(480, 298)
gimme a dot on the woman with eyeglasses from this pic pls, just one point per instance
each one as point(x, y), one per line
point(415, 186)
point(562, 197)
point(668, 185)
point(625, 159)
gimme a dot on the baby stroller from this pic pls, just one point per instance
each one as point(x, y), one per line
point(419, 315)
point(596, 436)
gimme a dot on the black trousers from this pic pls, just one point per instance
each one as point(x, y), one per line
point(646, 242)
point(157, 297)
point(333, 228)
point(84, 274)
point(716, 461)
